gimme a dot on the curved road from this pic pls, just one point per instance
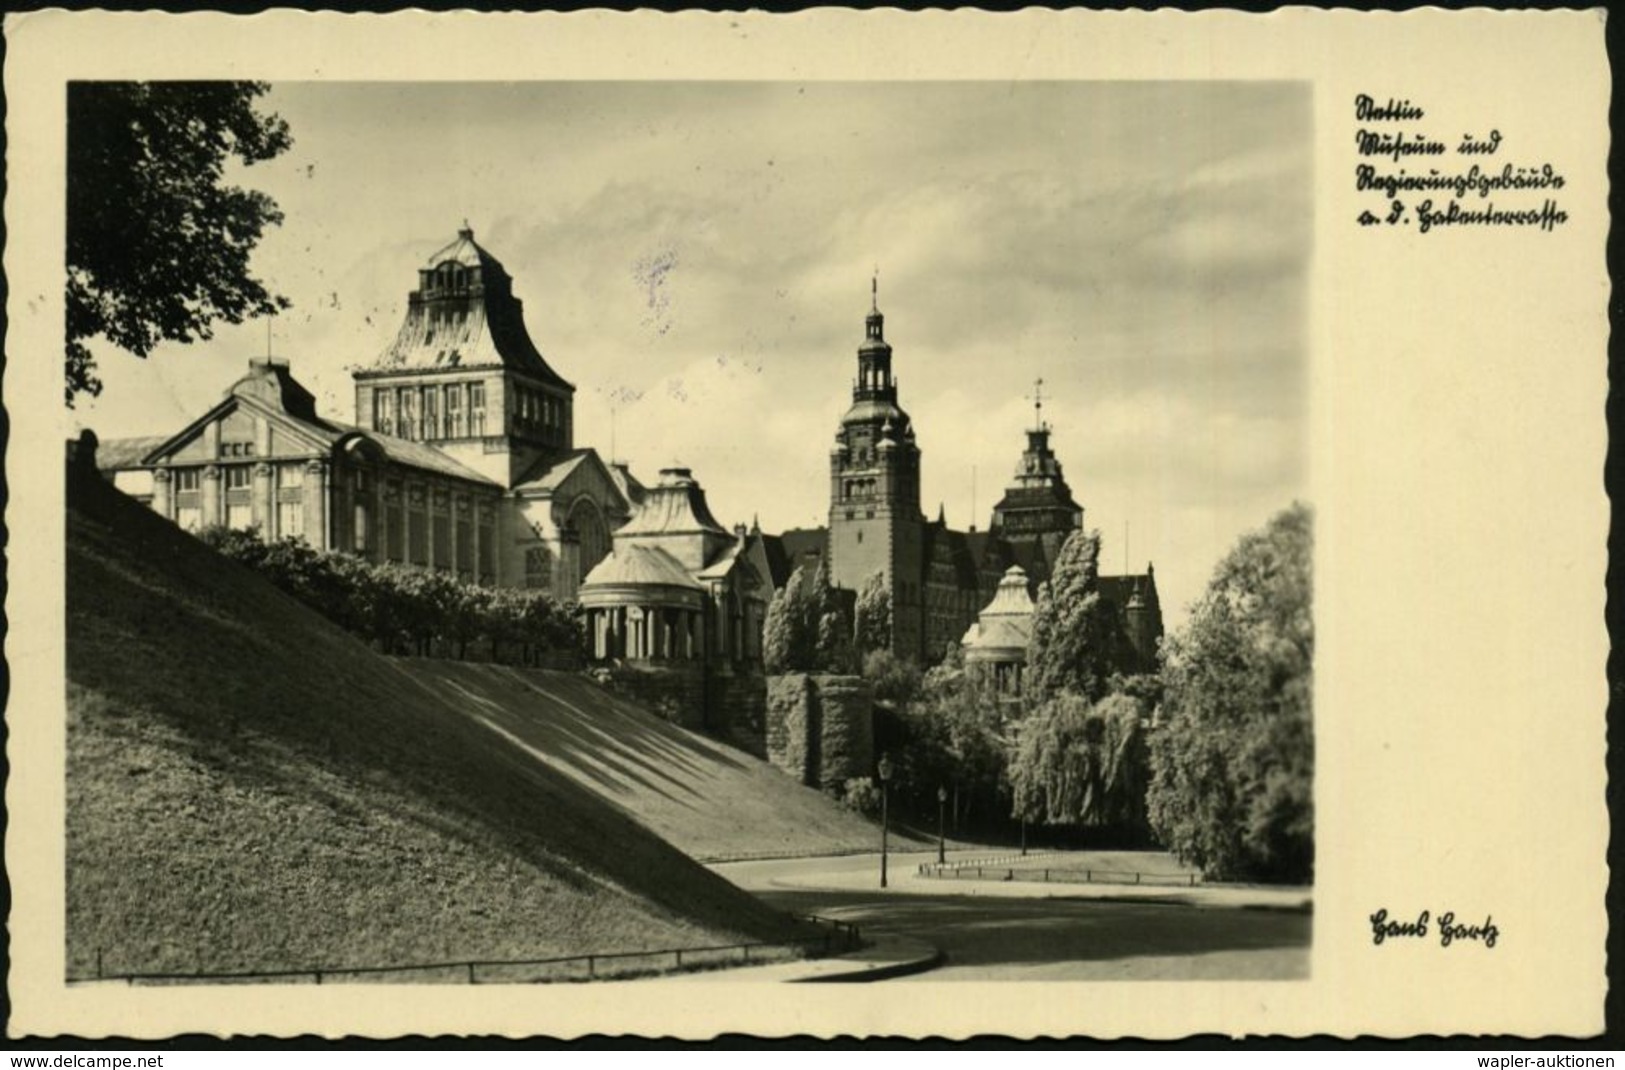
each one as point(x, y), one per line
point(1004, 931)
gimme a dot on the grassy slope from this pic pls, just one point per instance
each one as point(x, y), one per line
point(708, 799)
point(250, 788)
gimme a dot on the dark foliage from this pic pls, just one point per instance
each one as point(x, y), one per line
point(1233, 767)
point(157, 242)
point(402, 609)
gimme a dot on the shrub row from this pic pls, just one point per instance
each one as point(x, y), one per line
point(406, 609)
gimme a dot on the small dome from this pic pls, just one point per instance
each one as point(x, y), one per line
point(643, 566)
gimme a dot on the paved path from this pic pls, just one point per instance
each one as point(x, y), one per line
point(1033, 931)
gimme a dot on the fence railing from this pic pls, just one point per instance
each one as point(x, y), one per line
point(986, 861)
point(994, 870)
point(837, 938)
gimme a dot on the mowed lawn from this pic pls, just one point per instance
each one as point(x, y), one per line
point(248, 788)
point(705, 797)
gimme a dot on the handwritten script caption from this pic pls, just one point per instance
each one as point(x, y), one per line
point(1471, 186)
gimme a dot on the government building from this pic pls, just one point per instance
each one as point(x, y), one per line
point(940, 579)
point(461, 457)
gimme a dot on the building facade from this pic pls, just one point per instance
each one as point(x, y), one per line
point(462, 458)
point(941, 578)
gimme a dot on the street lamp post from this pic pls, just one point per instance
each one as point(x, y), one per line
point(942, 799)
point(884, 771)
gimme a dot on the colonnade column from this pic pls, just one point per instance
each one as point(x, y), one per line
point(314, 497)
point(212, 515)
point(264, 512)
point(162, 503)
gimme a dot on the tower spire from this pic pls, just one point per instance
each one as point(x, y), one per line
point(874, 290)
point(1038, 404)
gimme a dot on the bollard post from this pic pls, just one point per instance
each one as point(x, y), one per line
point(318, 976)
point(679, 958)
point(471, 973)
point(747, 952)
point(1088, 876)
point(592, 967)
point(1136, 876)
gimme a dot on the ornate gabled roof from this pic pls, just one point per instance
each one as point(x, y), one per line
point(676, 505)
point(464, 314)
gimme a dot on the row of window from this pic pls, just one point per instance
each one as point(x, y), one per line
point(290, 518)
point(238, 476)
point(441, 410)
point(533, 408)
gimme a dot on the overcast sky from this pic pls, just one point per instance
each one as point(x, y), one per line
point(698, 256)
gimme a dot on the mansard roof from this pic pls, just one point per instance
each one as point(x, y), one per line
point(464, 314)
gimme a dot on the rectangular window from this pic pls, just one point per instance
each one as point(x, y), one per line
point(476, 409)
point(239, 516)
point(362, 528)
point(454, 411)
point(186, 479)
point(417, 537)
point(239, 477)
point(487, 558)
point(431, 412)
point(383, 414)
point(407, 399)
point(189, 517)
point(442, 542)
point(465, 546)
point(290, 520)
point(394, 530)
point(290, 475)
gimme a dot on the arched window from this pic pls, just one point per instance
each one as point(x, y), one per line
point(592, 534)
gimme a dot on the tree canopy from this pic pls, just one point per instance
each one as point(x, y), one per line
point(1078, 763)
point(1232, 769)
point(1076, 635)
point(808, 628)
point(872, 627)
point(157, 243)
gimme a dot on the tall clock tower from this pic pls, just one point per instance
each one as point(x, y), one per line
point(875, 524)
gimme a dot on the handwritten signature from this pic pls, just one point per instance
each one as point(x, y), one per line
point(1449, 930)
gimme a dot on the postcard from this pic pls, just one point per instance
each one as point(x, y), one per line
point(846, 523)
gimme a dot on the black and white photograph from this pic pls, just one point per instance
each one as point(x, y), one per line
point(574, 538)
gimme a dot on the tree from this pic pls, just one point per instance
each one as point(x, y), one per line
point(1233, 764)
point(872, 628)
point(807, 628)
point(1079, 763)
point(830, 623)
point(157, 243)
point(1077, 638)
point(785, 642)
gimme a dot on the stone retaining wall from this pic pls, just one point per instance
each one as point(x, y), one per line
point(820, 727)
